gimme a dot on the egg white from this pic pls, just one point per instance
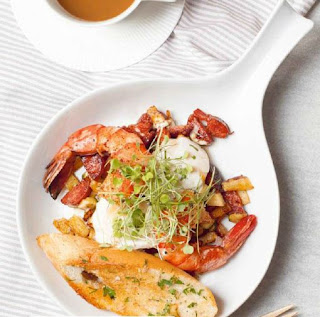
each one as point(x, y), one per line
point(102, 221)
point(193, 155)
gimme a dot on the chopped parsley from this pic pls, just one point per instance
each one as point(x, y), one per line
point(173, 292)
point(164, 282)
point(166, 310)
point(192, 305)
point(200, 292)
point(127, 300)
point(109, 291)
point(173, 280)
point(189, 290)
point(104, 258)
point(84, 261)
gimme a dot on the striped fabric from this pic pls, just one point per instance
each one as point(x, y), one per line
point(211, 35)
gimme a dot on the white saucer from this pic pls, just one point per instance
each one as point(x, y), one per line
point(97, 49)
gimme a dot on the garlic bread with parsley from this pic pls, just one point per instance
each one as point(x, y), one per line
point(127, 283)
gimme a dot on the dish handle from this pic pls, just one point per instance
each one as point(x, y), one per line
point(280, 34)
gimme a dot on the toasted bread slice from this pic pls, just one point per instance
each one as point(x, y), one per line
point(128, 283)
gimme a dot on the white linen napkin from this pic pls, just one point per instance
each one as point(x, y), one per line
point(210, 36)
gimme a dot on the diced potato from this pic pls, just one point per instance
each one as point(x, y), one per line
point(245, 199)
point(93, 195)
point(88, 203)
point(62, 225)
point(208, 224)
point(236, 217)
point(237, 183)
point(78, 226)
point(95, 186)
point(220, 211)
point(216, 200)
point(72, 182)
point(213, 227)
point(221, 230)
point(208, 238)
point(91, 233)
point(77, 163)
point(88, 214)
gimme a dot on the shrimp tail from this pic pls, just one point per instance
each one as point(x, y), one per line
point(81, 142)
point(58, 172)
point(213, 257)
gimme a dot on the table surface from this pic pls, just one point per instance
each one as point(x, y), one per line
point(292, 124)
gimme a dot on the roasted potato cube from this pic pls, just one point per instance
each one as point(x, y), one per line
point(219, 212)
point(88, 214)
point(237, 183)
point(77, 163)
point(208, 238)
point(208, 224)
point(245, 199)
point(236, 217)
point(62, 225)
point(78, 226)
point(88, 203)
point(72, 182)
point(95, 186)
point(221, 230)
point(216, 200)
point(91, 233)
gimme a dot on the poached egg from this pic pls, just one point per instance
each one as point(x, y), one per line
point(102, 222)
point(192, 155)
point(189, 153)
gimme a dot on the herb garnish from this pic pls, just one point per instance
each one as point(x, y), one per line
point(104, 258)
point(173, 292)
point(189, 290)
point(192, 305)
point(159, 208)
point(109, 291)
point(166, 310)
point(173, 280)
point(164, 282)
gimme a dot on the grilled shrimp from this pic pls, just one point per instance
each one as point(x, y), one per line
point(90, 141)
point(209, 257)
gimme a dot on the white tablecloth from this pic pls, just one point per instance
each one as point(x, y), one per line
point(211, 35)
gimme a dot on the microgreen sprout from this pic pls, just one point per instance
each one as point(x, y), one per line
point(159, 209)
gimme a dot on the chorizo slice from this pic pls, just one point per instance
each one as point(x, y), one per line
point(95, 165)
point(177, 130)
point(234, 201)
point(199, 132)
point(216, 126)
point(77, 193)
